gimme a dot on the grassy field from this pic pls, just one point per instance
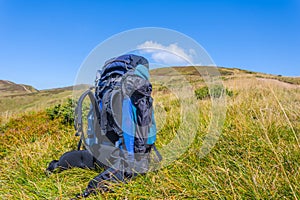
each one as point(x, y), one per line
point(256, 157)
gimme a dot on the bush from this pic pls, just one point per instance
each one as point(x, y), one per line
point(216, 91)
point(202, 93)
point(229, 92)
point(64, 112)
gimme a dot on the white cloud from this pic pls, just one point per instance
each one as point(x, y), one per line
point(170, 55)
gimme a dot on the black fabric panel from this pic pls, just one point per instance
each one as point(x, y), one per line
point(81, 159)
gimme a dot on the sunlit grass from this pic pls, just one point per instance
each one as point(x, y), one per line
point(256, 157)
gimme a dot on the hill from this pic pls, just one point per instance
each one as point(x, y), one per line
point(19, 98)
point(224, 73)
point(22, 100)
point(257, 155)
point(8, 88)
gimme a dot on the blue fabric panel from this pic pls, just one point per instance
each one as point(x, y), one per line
point(134, 112)
point(128, 125)
point(100, 105)
point(152, 132)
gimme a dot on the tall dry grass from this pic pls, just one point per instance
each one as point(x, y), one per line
point(256, 157)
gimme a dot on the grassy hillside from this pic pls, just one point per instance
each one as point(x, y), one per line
point(16, 99)
point(256, 157)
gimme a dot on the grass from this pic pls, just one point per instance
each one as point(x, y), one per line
point(256, 157)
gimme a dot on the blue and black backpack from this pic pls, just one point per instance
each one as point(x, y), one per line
point(120, 122)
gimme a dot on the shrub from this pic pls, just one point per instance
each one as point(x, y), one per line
point(229, 92)
point(202, 93)
point(216, 91)
point(64, 112)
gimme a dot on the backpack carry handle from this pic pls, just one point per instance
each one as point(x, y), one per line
point(78, 124)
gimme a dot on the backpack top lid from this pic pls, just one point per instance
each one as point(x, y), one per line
point(121, 64)
point(129, 59)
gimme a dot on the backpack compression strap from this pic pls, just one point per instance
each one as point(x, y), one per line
point(78, 114)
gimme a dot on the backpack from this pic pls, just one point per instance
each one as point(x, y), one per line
point(121, 115)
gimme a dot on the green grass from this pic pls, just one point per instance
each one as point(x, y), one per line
point(256, 157)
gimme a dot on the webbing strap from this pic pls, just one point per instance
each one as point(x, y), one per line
point(157, 153)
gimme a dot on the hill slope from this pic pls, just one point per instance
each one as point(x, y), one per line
point(8, 88)
point(224, 73)
point(19, 98)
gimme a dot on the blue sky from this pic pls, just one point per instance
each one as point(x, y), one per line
point(43, 43)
